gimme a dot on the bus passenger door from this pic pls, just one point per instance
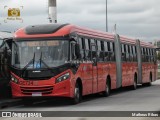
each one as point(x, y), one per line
point(94, 69)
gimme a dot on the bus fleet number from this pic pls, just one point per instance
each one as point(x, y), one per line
point(26, 82)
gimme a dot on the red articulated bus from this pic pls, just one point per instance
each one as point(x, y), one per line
point(63, 60)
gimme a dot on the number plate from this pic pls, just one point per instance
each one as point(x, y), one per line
point(36, 94)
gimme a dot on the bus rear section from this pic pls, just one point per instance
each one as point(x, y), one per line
point(149, 64)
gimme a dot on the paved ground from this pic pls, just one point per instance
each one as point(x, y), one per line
point(142, 99)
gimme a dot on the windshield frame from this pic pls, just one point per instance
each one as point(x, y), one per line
point(42, 39)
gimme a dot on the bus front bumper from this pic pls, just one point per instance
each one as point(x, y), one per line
point(62, 89)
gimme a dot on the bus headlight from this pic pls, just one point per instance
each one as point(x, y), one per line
point(13, 79)
point(63, 77)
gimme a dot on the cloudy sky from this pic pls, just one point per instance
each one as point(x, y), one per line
point(134, 18)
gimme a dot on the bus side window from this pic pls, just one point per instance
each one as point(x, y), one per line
point(73, 56)
point(135, 53)
point(113, 52)
point(94, 49)
point(131, 53)
point(154, 55)
point(106, 51)
point(123, 53)
point(87, 50)
point(142, 54)
point(100, 51)
point(127, 53)
point(150, 55)
point(108, 46)
point(109, 51)
point(81, 44)
point(147, 55)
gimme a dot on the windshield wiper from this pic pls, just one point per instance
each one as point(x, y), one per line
point(41, 61)
point(25, 67)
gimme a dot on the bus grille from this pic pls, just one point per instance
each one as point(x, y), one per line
point(43, 90)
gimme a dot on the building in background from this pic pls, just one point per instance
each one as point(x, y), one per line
point(157, 43)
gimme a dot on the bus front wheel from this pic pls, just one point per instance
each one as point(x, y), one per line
point(77, 94)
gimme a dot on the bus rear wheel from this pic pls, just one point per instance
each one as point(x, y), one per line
point(150, 81)
point(77, 95)
point(107, 91)
point(134, 86)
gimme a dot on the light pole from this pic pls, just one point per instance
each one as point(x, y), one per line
point(52, 6)
point(106, 16)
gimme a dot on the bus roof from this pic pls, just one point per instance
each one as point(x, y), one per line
point(125, 39)
point(59, 30)
point(56, 30)
point(146, 44)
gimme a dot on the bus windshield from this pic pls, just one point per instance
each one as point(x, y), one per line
point(53, 53)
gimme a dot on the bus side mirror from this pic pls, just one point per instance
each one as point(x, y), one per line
point(77, 51)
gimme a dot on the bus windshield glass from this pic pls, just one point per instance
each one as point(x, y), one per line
point(31, 53)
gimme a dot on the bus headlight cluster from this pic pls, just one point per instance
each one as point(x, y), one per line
point(13, 79)
point(62, 78)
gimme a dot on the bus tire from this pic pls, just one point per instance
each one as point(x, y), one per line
point(107, 91)
point(134, 86)
point(150, 80)
point(77, 94)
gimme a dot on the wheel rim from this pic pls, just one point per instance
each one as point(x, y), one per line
point(135, 86)
point(107, 89)
point(77, 95)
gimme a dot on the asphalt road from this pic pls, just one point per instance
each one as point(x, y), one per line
point(142, 99)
